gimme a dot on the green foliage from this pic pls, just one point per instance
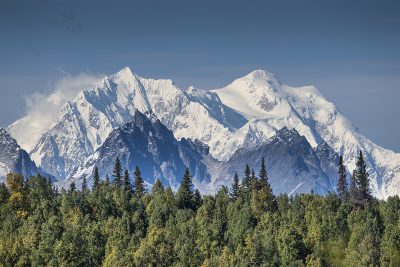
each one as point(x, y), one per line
point(117, 173)
point(248, 226)
point(362, 178)
point(84, 184)
point(96, 178)
point(235, 189)
point(158, 188)
point(127, 181)
point(185, 193)
point(246, 186)
point(140, 190)
point(360, 194)
point(342, 183)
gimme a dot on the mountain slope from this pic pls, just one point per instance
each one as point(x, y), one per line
point(271, 105)
point(147, 143)
point(293, 166)
point(83, 124)
point(242, 115)
point(14, 159)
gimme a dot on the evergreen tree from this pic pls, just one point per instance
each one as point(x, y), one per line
point(185, 192)
point(197, 200)
point(72, 188)
point(246, 184)
point(362, 178)
point(342, 183)
point(96, 178)
point(235, 189)
point(4, 194)
point(264, 177)
point(158, 188)
point(254, 180)
point(140, 190)
point(247, 172)
point(84, 184)
point(127, 181)
point(107, 180)
point(117, 173)
point(263, 172)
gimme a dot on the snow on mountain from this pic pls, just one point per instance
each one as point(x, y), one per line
point(194, 114)
point(84, 123)
point(243, 115)
point(146, 142)
point(293, 166)
point(14, 159)
point(271, 105)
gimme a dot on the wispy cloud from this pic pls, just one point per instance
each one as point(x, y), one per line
point(42, 109)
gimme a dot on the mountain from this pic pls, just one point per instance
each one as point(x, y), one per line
point(293, 166)
point(243, 115)
point(84, 123)
point(270, 105)
point(146, 142)
point(14, 159)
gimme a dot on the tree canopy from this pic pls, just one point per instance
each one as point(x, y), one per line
point(248, 225)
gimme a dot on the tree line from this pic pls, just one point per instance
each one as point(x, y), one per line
point(119, 223)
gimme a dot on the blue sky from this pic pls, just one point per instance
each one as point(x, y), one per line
point(349, 49)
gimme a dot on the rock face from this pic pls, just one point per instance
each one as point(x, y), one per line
point(14, 159)
point(84, 123)
point(307, 111)
point(147, 143)
point(241, 116)
point(293, 166)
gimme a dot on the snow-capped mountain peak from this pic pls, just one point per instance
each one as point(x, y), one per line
point(13, 158)
point(124, 73)
point(7, 142)
point(259, 77)
point(244, 114)
point(145, 142)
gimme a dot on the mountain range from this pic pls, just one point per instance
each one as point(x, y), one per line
point(248, 119)
point(146, 142)
point(14, 159)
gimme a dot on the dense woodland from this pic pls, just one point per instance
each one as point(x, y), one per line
point(120, 224)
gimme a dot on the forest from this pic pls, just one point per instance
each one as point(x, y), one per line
point(121, 223)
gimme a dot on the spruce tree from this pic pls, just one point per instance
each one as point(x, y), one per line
point(158, 188)
point(197, 200)
point(246, 184)
point(96, 178)
point(117, 173)
point(263, 172)
point(185, 192)
point(362, 178)
point(4, 193)
point(84, 184)
point(127, 181)
point(342, 183)
point(235, 189)
point(140, 190)
point(264, 177)
point(72, 188)
point(107, 180)
point(247, 172)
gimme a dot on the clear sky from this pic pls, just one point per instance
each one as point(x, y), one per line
point(349, 49)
